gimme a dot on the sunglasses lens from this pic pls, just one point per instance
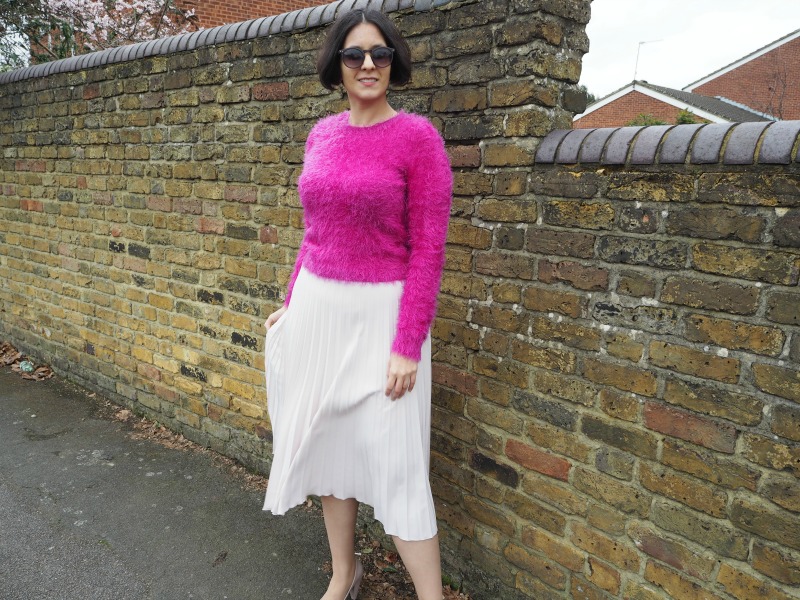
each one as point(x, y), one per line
point(352, 58)
point(382, 57)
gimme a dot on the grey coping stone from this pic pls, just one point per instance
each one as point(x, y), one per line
point(315, 18)
point(619, 144)
point(275, 27)
point(288, 22)
point(141, 50)
point(191, 43)
point(646, 144)
point(330, 11)
point(570, 146)
point(213, 35)
point(174, 43)
point(546, 152)
point(676, 146)
point(126, 52)
point(184, 40)
point(263, 26)
point(243, 30)
point(233, 32)
point(346, 6)
point(595, 142)
point(741, 147)
point(222, 33)
point(153, 44)
point(203, 39)
point(776, 149)
point(161, 46)
point(311, 16)
point(252, 32)
point(304, 16)
point(83, 61)
point(118, 51)
point(708, 143)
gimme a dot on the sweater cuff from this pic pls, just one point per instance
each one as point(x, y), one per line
point(409, 348)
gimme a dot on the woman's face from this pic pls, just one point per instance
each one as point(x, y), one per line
point(367, 84)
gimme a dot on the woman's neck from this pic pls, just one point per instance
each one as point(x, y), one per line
point(363, 116)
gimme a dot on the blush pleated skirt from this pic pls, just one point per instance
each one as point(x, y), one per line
point(335, 433)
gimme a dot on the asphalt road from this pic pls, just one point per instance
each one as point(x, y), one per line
point(88, 513)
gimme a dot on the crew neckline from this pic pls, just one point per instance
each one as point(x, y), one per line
point(373, 125)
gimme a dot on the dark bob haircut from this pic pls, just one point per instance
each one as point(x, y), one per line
point(329, 66)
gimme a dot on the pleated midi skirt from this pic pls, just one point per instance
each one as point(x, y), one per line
point(335, 433)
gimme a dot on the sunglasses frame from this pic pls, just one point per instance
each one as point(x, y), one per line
point(364, 56)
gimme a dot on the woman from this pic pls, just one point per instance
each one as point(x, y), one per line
point(348, 355)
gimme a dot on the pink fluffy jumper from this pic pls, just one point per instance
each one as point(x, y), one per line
point(376, 204)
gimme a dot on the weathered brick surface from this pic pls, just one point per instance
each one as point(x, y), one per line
point(615, 382)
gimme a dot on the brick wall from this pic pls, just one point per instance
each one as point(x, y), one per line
point(221, 12)
point(616, 351)
point(627, 108)
point(769, 83)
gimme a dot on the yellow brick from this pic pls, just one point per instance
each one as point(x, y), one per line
point(248, 409)
point(142, 354)
point(189, 386)
point(238, 388)
point(166, 364)
point(163, 302)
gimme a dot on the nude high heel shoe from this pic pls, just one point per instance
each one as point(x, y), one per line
point(359, 574)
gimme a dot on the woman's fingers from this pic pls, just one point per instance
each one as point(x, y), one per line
point(401, 376)
point(273, 318)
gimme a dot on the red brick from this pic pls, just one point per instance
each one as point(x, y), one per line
point(575, 274)
point(542, 462)
point(690, 427)
point(464, 156)
point(278, 90)
point(205, 225)
point(268, 235)
point(241, 194)
point(466, 383)
point(160, 203)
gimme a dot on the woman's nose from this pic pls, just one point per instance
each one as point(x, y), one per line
point(370, 64)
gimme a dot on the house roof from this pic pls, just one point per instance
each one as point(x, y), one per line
point(745, 59)
point(712, 109)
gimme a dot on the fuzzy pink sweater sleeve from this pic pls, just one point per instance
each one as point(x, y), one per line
point(429, 195)
point(376, 205)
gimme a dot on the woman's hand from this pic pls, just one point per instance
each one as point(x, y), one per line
point(400, 376)
point(273, 318)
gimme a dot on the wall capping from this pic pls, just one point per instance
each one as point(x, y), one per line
point(297, 20)
point(724, 143)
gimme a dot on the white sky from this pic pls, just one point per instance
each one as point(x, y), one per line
point(698, 37)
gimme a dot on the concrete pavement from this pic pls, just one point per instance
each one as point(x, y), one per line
point(88, 513)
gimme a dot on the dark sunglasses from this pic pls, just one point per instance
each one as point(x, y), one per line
point(353, 58)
